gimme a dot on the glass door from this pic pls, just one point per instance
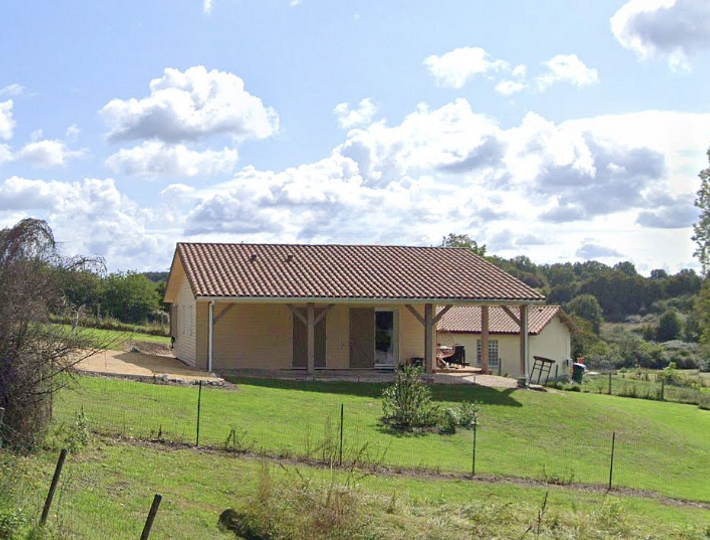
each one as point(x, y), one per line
point(385, 339)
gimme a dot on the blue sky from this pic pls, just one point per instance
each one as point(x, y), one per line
point(557, 129)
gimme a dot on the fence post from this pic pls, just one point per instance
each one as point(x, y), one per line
point(610, 383)
point(663, 389)
point(473, 458)
point(611, 463)
point(2, 415)
point(557, 372)
point(53, 486)
point(340, 454)
point(199, 407)
point(151, 517)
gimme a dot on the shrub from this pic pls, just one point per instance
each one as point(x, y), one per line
point(465, 416)
point(406, 403)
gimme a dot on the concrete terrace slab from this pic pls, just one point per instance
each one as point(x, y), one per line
point(133, 364)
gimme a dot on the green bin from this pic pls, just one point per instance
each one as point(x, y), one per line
point(578, 372)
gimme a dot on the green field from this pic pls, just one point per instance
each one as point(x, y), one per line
point(115, 339)
point(559, 437)
point(106, 491)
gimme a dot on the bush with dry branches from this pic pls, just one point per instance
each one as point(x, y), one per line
point(34, 355)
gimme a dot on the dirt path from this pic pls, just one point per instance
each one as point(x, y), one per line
point(137, 364)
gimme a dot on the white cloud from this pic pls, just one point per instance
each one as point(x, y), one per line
point(12, 90)
point(191, 106)
point(155, 158)
point(72, 133)
point(507, 87)
point(566, 68)
point(361, 116)
point(439, 170)
point(7, 122)
point(454, 69)
point(451, 169)
point(457, 67)
point(48, 153)
point(207, 7)
point(5, 154)
point(671, 29)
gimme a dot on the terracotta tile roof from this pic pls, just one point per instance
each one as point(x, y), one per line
point(468, 319)
point(346, 272)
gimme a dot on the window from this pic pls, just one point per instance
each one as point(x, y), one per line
point(492, 352)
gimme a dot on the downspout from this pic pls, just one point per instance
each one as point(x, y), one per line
point(210, 339)
point(526, 342)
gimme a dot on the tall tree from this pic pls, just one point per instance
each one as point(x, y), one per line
point(701, 229)
point(587, 307)
point(463, 241)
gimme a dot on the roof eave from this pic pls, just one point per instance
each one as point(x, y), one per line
point(369, 300)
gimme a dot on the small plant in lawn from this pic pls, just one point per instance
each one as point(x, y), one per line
point(406, 403)
point(465, 416)
point(237, 442)
point(78, 435)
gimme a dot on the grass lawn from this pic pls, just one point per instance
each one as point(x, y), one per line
point(106, 491)
point(560, 437)
point(114, 339)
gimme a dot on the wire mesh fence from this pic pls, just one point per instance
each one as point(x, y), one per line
point(645, 384)
point(341, 429)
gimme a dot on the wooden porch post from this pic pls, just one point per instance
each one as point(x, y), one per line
point(524, 344)
point(485, 367)
point(428, 339)
point(311, 315)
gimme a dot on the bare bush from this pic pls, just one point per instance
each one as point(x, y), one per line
point(34, 355)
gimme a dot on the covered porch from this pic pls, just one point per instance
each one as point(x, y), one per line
point(320, 336)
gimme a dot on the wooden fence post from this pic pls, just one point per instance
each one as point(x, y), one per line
point(53, 486)
point(151, 517)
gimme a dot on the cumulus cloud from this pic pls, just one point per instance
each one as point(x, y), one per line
point(360, 116)
point(592, 250)
point(5, 154)
point(457, 67)
point(7, 122)
point(91, 216)
point(669, 212)
point(566, 68)
point(191, 106)
point(440, 170)
point(454, 69)
point(507, 87)
point(48, 153)
point(672, 29)
point(155, 158)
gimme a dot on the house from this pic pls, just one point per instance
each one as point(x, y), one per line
point(550, 330)
point(284, 307)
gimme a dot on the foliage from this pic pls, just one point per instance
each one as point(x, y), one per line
point(587, 307)
point(669, 326)
point(406, 403)
point(701, 229)
point(32, 352)
point(300, 509)
point(130, 297)
point(463, 241)
point(585, 343)
point(465, 416)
